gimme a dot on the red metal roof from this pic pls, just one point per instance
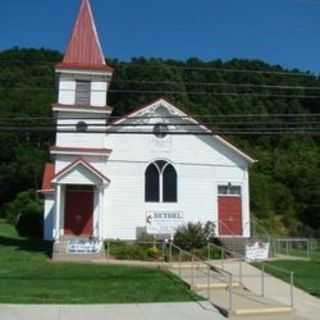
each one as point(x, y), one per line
point(48, 175)
point(84, 49)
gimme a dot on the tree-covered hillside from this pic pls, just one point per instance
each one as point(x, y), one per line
point(284, 183)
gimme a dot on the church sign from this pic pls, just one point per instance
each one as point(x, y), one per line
point(258, 251)
point(163, 222)
point(84, 246)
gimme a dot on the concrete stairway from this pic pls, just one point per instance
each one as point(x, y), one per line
point(245, 303)
point(61, 251)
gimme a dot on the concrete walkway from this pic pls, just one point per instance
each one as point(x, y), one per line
point(158, 311)
point(306, 306)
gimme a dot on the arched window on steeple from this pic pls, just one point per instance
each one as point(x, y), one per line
point(161, 182)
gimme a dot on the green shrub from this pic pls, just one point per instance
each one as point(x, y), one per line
point(154, 253)
point(127, 251)
point(194, 235)
point(132, 251)
point(26, 213)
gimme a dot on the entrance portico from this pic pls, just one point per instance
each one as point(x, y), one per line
point(79, 201)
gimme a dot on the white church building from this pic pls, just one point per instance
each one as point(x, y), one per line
point(113, 179)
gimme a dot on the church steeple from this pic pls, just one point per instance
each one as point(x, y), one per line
point(84, 76)
point(84, 50)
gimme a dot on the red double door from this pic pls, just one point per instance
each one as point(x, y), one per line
point(230, 215)
point(78, 215)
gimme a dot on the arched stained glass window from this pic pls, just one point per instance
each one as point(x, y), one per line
point(152, 180)
point(169, 184)
point(161, 183)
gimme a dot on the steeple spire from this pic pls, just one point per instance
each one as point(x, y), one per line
point(84, 50)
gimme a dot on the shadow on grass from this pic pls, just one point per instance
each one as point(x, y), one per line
point(29, 245)
point(179, 283)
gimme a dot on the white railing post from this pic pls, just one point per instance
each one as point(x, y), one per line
point(108, 249)
point(209, 291)
point(180, 261)
point(170, 252)
point(192, 273)
point(262, 280)
point(291, 289)
point(230, 294)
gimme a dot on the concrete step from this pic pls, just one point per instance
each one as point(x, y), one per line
point(244, 303)
point(78, 257)
point(216, 285)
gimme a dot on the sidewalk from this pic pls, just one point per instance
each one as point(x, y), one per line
point(306, 306)
point(158, 311)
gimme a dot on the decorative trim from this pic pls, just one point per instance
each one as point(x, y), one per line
point(84, 69)
point(84, 109)
point(164, 102)
point(80, 151)
point(74, 164)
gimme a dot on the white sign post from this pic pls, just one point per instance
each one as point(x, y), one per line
point(163, 222)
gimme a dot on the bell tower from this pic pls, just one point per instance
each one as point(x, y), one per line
point(83, 82)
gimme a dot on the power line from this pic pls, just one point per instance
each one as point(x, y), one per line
point(186, 67)
point(219, 84)
point(230, 94)
point(203, 93)
point(229, 131)
point(146, 125)
point(190, 116)
point(186, 83)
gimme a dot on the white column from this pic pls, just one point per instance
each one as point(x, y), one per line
point(58, 211)
point(101, 207)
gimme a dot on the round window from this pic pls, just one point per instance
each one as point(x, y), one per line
point(82, 126)
point(160, 130)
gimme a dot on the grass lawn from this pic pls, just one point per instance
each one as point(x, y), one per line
point(314, 254)
point(26, 276)
point(307, 273)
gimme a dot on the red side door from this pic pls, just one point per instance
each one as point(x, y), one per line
point(230, 215)
point(79, 211)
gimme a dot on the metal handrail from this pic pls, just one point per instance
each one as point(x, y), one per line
point(229, 275)
point(231, 252)
point(200, 260)
point(264, 264)
point(255, 222)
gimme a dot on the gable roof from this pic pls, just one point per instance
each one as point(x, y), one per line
point(48, 175)
point(84, 50)
point(164, 102)
point(76, 163)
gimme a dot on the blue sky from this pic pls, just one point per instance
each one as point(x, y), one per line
point(284, 32)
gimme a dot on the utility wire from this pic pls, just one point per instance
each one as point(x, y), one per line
point(300, 131)
point(146, 125)
point(185, 67)
point(188, 93)
point(189, 83)
point(282, 116)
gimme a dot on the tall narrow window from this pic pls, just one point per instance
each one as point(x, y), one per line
point(161, 182)
point(83, 90)
point(169, 184)
point(152, 180)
